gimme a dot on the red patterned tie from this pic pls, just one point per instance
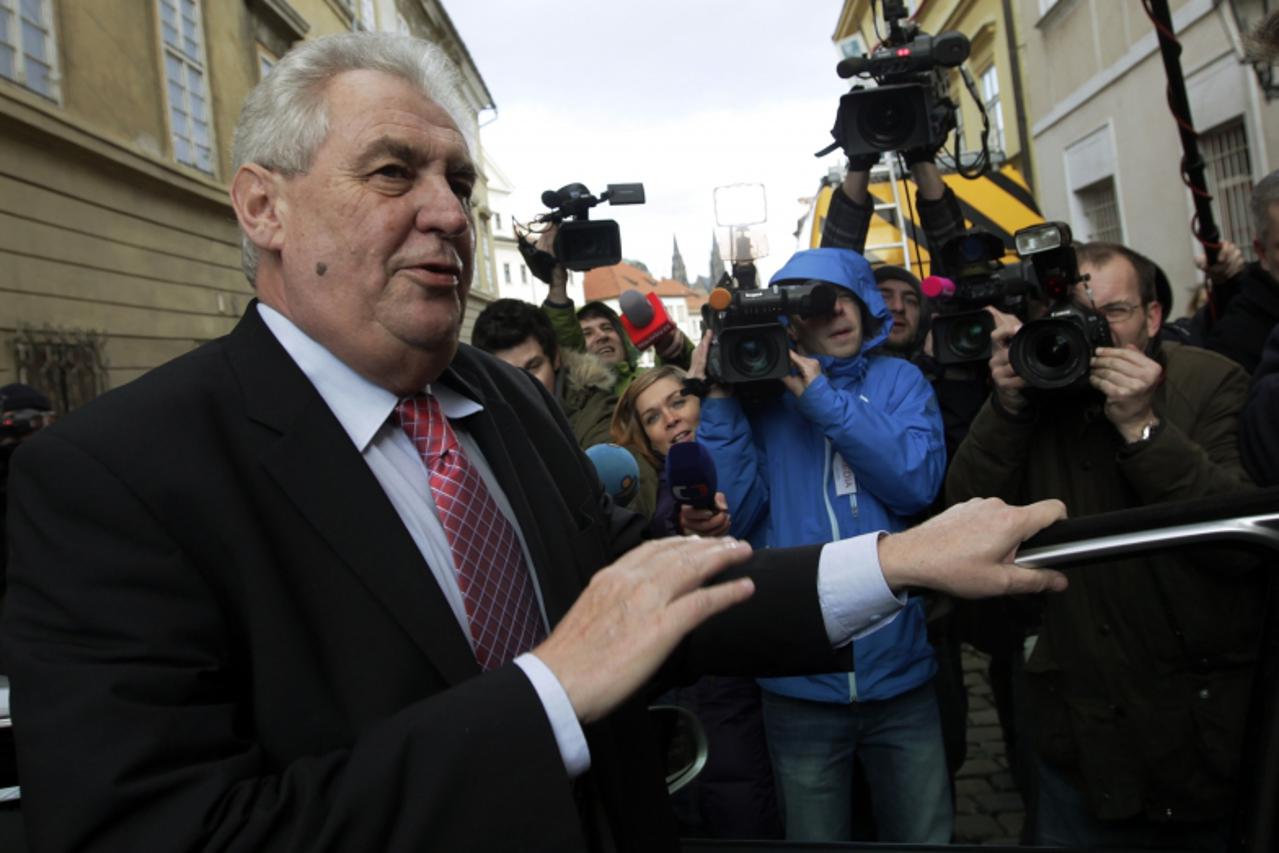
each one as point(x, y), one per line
point(497, 589)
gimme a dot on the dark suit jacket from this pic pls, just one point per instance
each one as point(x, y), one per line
point(221, 636)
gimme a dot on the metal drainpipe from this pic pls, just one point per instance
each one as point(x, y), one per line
point(1023, 133)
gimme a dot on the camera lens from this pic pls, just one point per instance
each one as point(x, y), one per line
point(886, 123)
point(754, 356)
point(1051, 353)
point(969, 339)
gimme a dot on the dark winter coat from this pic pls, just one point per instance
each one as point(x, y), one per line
point(1241, 331)
point(1140, 679)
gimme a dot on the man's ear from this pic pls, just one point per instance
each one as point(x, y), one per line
point(255, 195)
point(1154, 318)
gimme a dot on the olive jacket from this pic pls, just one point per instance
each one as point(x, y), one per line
point(1140, 679)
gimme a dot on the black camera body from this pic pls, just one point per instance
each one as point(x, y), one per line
point(910, 107)
point(582, 244)
point(1054, 353)
point(750, 349)
point(961, 329)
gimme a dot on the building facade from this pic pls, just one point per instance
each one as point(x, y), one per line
point(1107, 149)
point(118, 246)
point(512, 278)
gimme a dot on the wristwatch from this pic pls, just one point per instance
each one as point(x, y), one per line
point(1147, 432)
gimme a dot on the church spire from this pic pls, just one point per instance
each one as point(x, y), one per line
point(678, 272)
point(717, 262)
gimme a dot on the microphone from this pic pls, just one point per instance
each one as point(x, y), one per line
point(935, 286)
point(644, 318)
point(617, 469)
point(690, 473)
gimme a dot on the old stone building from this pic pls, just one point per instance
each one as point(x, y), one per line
point(118, 247)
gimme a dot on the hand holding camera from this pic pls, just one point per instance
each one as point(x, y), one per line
point(1128, 378)
point(808, 371)
point(1009, 385)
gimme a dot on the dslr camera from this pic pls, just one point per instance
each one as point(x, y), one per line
point(583, 244)
point(961, 329)
point(1055, 351)
point(910, 107)
point(751, 349)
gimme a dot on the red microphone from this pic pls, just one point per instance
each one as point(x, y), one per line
point(644, 318)
point(935, 286)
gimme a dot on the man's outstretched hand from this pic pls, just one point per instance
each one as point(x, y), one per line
point(633, 614)
point(968, 550)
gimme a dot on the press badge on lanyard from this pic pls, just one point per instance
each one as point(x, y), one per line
point(845, 482)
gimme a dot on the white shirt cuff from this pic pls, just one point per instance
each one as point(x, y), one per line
point(854, 597)
point(569, 736)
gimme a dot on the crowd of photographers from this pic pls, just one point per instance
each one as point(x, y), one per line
point(1123, 701)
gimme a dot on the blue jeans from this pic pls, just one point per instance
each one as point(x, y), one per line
point(1064, 820)
point(899, 743)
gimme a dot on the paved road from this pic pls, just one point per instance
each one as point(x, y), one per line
point(988, 808)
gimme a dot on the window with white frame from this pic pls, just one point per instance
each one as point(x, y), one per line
point(27, 52)
point(497, 222)
point(186, 83)
point(994, 110)
point(1228, 167)
point(1100, 208)
point(506, 273)
point(523, 274)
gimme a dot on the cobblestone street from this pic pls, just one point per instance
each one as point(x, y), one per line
point(988, 808)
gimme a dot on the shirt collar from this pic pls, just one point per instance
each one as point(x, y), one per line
point(360, 406)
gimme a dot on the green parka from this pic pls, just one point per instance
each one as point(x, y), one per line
point(1140, 679)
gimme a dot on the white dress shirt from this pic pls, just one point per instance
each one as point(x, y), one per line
point(855, 599)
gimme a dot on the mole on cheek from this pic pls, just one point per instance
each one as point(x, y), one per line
point(321, 268)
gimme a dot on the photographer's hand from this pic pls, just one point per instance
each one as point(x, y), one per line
point(1009, 387)
point(697, 367)
point(809, 369)
point(1128, 378)
point(558, 290)
point(1229, 263)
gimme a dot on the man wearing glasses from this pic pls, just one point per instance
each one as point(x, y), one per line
point(1139, 680)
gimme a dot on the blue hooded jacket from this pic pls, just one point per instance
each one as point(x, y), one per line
point(779, 464)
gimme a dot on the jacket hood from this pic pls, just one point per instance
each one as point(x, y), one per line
point(583, 370)
point(849, 270)
point(632, 354)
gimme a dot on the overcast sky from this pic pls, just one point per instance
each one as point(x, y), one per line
point(682, 95)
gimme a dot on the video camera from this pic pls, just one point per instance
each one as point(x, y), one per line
point(750, 348)
point(911, 107)
point(582, 244)
point(1055, 351)
point(977, 278)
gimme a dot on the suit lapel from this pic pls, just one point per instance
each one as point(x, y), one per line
point(519, 470)
point(327, 480)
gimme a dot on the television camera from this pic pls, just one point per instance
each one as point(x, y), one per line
point(1051, 352)
point(976, 277)
point(582, 243)
point(750, 349)
point(910, 107)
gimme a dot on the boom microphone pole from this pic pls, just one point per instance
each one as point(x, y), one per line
point(1204, 226)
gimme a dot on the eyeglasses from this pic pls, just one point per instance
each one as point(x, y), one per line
point(1118, 312)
